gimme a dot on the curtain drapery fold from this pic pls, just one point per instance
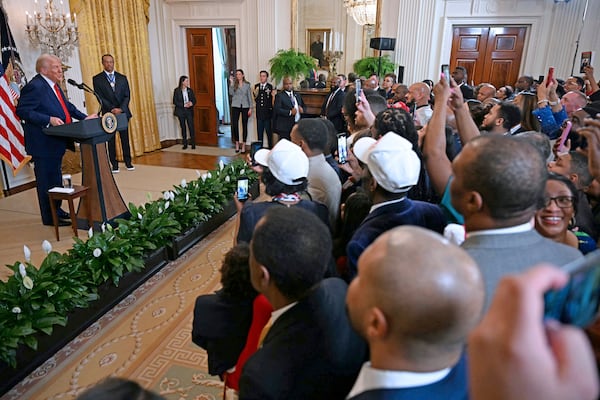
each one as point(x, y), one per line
point(120, 27)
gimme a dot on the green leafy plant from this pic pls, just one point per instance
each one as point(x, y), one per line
point(33, 300)
point(370, 65)
point(290, 63)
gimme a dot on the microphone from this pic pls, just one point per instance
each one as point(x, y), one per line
point(88, 89)
point(77, 85)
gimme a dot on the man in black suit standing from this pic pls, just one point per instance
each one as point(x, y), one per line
point(263, 96)
point(113, 89)
point(288, 107)
point(43, 104)
point(332, 106)
point(460, 77)
point(309, 350)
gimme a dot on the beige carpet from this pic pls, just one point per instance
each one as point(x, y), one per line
point(202, 150)
point(20, 216)
point(147, 337)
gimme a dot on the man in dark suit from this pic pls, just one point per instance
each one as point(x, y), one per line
point(310, 350)
point(113, 89)
point(416, 341)
point(43, 104)
point(332, 106)
point(288, 107)
point(460, 77)
point(263, 96)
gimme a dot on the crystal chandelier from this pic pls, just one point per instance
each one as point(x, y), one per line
point(55, 31)
point(364, 12)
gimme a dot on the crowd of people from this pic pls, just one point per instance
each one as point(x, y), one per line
point(417, 267)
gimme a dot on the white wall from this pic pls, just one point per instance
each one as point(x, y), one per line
point(262, 27)
point(424, 31)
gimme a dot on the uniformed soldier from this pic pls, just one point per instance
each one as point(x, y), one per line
point(263, 95)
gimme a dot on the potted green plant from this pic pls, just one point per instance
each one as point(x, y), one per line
point(290, 63)
point(370, 65)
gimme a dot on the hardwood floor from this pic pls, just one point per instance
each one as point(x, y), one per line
point(192, 161)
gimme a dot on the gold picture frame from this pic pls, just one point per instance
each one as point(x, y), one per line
point(317, 43)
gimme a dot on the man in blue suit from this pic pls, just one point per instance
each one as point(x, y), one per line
point(43, 104)
point(113, 89)
point(415, 299)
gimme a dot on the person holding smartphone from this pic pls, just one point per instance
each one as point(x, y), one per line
point(241, 104)
point(515, 353)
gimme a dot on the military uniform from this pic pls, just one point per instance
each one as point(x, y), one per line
point(264, 111)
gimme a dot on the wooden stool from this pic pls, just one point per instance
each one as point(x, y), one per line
point(79, 191)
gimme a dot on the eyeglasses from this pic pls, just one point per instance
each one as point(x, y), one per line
point(560, 201)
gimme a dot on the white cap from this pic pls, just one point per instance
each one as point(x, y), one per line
point(391, 161)
point(286, 161)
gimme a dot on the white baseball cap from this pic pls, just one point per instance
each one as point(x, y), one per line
point(391, 161)
point(286, 161)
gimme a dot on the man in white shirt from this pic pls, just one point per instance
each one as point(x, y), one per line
point(415, 299)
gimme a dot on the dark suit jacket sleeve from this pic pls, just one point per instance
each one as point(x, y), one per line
point(29, 102)
point(123, 92)
point(299, 99)
point(178, 98)
point(100, 87)
point(280, 107)
point(192, 96)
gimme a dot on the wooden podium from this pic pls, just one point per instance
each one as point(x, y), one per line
point(103, 201)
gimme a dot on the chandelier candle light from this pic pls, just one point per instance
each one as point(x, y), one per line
point(364, 12)
point(55, 30)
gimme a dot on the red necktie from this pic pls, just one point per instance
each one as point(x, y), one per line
point(63, 105)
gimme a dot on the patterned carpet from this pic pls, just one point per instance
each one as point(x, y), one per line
point(147, 337)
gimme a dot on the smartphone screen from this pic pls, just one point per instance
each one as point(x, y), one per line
point(577, 302)
point(550, 75)
point(242, 188)
point(446, 72)
point(358, 87)
point(563, 137)
point(342, 149)
point(254, 147)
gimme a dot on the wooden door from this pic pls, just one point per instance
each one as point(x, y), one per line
point(490, 54)
point(202, 81)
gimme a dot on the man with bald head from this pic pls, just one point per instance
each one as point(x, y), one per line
point(287, 108)
point(485, 91)
point(419, 94)
point(498, 185)
point(415, 299)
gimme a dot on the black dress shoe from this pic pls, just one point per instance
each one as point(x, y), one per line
point(193, 147)
point(184, 146)
point(61, 222)
point(62, 214)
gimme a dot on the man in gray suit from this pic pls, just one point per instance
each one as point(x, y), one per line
point(498, 185)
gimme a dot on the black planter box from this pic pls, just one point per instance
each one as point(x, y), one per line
point(28, 360)
point(189, 238)
point(78, 320)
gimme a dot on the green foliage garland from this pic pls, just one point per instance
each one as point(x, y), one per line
point(33, 299)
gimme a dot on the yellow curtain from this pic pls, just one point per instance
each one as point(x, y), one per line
point(120, 27)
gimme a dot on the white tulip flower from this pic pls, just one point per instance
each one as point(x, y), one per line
point(16, 310)
point(97, 252)
point(22, 270)
point(46, 246)
point(27, 253)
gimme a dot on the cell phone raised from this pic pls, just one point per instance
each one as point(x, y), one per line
point(242, 188)
point(358, 86)
point(577, 302)
point(342, 148)
point(550, 76)
point(254, 147)
point(446, 72)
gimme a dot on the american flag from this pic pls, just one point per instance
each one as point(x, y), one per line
point(12, 138)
